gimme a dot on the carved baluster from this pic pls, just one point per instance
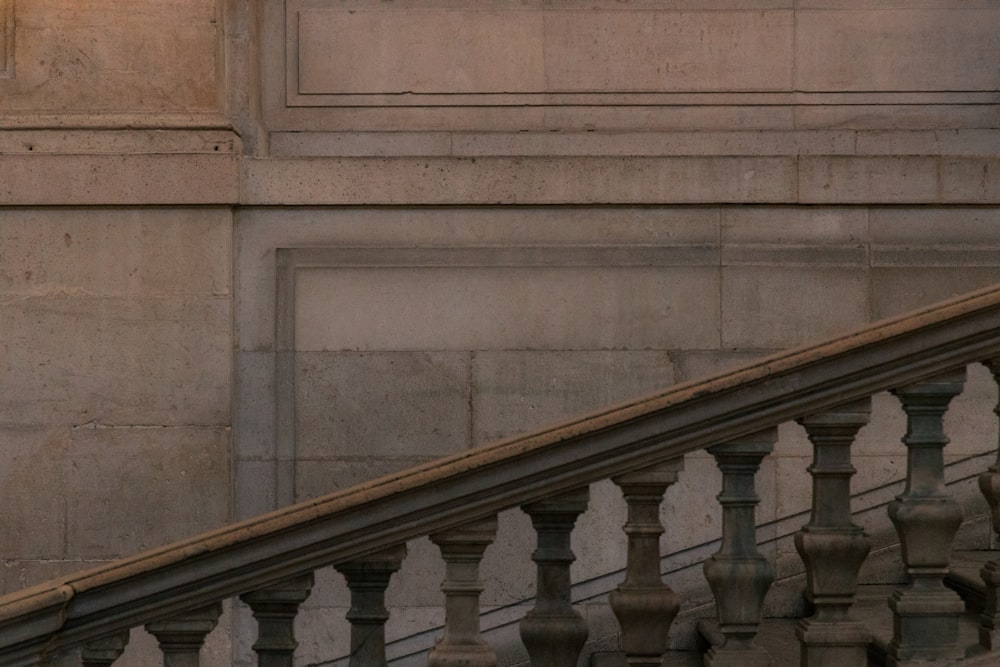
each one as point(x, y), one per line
point(832, 548)
point(104, 652)
point(738, 573)
point(182, 636)
point(462, 645)
point(367, 579)
point(989, 484)
point(644, 605)
point(275, 608)
point(925, 613)
point(553, 632)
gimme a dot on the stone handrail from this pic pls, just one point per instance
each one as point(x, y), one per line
point(472, 486)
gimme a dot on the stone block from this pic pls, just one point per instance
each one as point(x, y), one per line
point(896, 49)
point(119, 179)
point(519, 391)
point(794, 226)
point(970, 180)
point(895, 116)
point(152, 57)
point(933, 227)
point(536, 307)
point(116, 360)
point(776, 307)
point(381, 404)
point(624, 51)
point(254, 405)
point(115, 252)
point(254, 488)
point(129, 489)
point(863, 180)
point(519, 180)
point(384, 51)
point(31, 493)
point(896, 290)
point(291, 144)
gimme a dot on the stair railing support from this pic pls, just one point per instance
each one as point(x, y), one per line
point(552, 631)
point(989, 484)
point(738, 574)
point(833, 548)
point(367, 578)
point(462, 550)
point(274, 609)
point(104, 652)
point(182, 636)
point(643, 604)
point(926, 517)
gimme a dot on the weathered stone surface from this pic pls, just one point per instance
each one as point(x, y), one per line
point(476, 308)
point(897, 290)
point(113, 55)
point(115, 252)
point(895, 49)
point(752, 298)
point(370, 405)
point(518, 391)
point(132, 488)
point(77, 359)
point(857, 180)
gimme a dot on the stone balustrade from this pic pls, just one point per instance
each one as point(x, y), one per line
point(176, 591)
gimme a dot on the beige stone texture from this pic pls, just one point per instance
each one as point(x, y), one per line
point(812, 303)
point(896, 290)
point(646, 51)
point(34, 521)
point(430, 51)
point(502, 308)
point(519, 391)
point(133, 488)
point(373, 405)
point(112, 55)
point(115, 360)
point(585, 180)
point(896, 49)
point(870, 179)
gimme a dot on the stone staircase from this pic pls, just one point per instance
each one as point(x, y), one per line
point(176, 592)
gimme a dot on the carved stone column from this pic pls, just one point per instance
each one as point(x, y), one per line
point(275, 608)
point(367, 579)
point(645, 606)
point(182, 636)
point(925, 613)
point(553, 632)
point(462, 549)
point(738, 573)
point(832, 547)
point(989, 484)
point(104, 652)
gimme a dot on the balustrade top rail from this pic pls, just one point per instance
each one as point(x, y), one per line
point(478, 483)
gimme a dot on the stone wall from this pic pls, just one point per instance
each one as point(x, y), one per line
point(252, 252)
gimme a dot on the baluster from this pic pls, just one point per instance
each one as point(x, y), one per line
point(831, 546)
point(645, 606)
point(989, 484)
point(553, 632)
point(462, 549)
point(738, 573)
point(925, 613)
point(275, 608)
point(182, 636)
point(367, 579)
point(103, 652)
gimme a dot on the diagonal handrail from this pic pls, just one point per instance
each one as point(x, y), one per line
point(454, 490)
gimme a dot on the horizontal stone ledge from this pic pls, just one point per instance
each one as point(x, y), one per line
point(118, 179)
point(621, 180)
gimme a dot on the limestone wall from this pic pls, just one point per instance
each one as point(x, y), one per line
point(251, 252)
